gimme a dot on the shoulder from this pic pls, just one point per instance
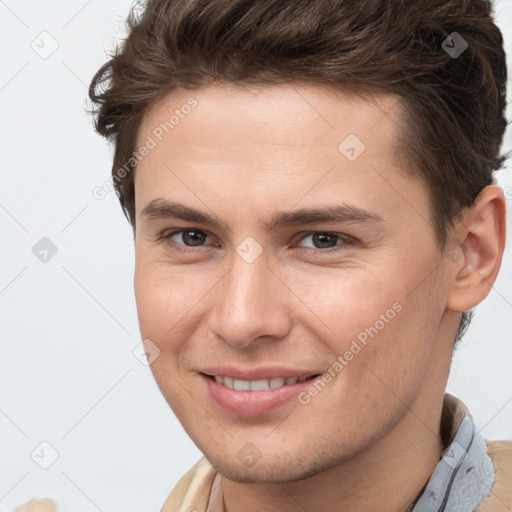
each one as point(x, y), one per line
point(500, 496)
point(192, 490)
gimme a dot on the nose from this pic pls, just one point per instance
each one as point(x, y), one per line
point(250, 303)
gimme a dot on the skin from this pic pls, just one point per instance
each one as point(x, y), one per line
point(370, 439)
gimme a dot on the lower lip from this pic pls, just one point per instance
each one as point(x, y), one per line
point(253, 402)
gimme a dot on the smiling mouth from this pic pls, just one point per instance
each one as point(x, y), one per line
point(260, 384)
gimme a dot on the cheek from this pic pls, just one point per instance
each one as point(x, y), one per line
point(375, 324)
point(160, 306)
point(395, 357)
point(160, 300)
point(346, 301)
point(168, 300)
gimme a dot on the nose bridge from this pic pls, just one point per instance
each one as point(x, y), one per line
point(246, 306)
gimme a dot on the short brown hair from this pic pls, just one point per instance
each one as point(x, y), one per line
point(454, 103)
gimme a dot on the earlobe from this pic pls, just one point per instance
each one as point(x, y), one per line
point(477, 246)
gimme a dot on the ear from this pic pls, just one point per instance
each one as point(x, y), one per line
point(475, 250)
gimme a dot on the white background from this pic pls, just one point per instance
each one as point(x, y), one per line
point(68, 327)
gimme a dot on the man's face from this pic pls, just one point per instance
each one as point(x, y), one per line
point(366, 291)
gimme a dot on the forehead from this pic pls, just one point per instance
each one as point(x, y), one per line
point(227, 122)
point(269, 145)
point(297, 109)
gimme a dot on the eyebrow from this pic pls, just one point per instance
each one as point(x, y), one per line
point(163, 209)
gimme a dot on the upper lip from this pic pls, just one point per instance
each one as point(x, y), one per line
point(263, 372)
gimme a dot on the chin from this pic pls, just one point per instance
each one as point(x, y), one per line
point(280, 468)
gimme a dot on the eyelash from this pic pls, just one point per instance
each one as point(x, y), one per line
point(346, 239)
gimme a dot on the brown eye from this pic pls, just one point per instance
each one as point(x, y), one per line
point(186, 237)
point(324, 240)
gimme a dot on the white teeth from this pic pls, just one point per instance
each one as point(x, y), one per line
point(242, 385)
point(257, 385)
point(276, 382)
